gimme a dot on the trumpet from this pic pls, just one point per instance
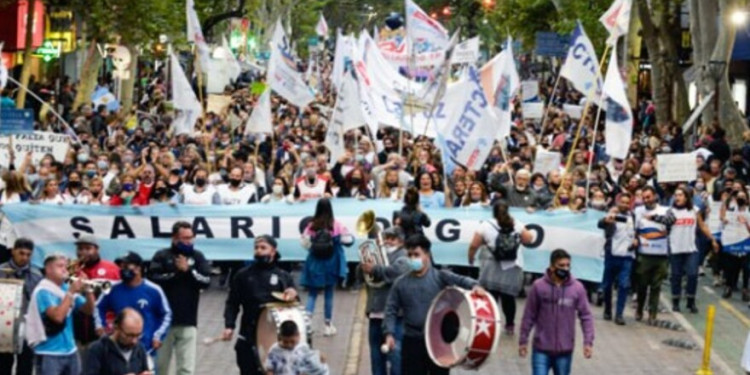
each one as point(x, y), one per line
point(97, 286)
point(371, 251)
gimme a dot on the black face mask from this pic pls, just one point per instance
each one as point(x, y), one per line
point(562, 274)
point(200, 182)
point(356, 181)
point(235, 182)
point(264, 261)
point(159, 192)
point(92, 261)
point(127, 275)
point(741, 201)
point(74, 184)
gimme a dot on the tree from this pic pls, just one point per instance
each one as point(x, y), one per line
point(662, 32)
point(713, 37)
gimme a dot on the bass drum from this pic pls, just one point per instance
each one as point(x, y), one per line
point(11, 322)
point(270, 320)
point(462, 329)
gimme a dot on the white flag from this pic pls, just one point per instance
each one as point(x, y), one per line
point(283, 76)
point(470, 130)
point(500, 82)
point(260, 121)
point(183, 100)
point(348, 109)
point(224, 68)
point(3, 70)
point(581, 66)
point(467, 52)
point(342, 56)
point(617, 20)
point(322, 27)
point(424, 32)
point(619, 124)
point(195, 34)
point(335, 142)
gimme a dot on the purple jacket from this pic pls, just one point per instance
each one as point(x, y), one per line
point(552, 310)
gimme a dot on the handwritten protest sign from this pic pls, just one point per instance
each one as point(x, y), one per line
point(39, 143)
point(529, 90)
point(676, 167)
point(218, 103)
point(546, 161)
point(574, 111)
point(533, 110)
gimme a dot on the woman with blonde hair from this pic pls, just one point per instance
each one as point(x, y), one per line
point(51, 192)
point(390, 187)
point(476, 196)
point(16, 188)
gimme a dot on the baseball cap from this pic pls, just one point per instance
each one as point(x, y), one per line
point(87, 239)
point(394, 231)
point(130, 258)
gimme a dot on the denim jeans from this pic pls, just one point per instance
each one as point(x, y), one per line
point(57, 364)
point(542, 362)
point(684, 265)
point(378, 360)
point(616, 269)
point(328, 294)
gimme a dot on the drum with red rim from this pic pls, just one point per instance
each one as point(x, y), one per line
point(462, 329)
point(11, 321)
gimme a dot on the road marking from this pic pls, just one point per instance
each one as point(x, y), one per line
point(355, 342)
point(742, 318)
point(715, 357)
point(709, 290)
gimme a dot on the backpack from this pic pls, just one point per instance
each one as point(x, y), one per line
point(321, 244)
point(506, 245)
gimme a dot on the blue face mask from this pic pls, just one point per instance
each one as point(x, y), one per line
point(184, 249)
point(415, 264)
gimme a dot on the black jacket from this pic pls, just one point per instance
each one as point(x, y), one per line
point(181, 288)
point(251, 289)
point(104, 358)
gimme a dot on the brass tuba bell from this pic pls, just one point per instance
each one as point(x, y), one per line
point(371, 250)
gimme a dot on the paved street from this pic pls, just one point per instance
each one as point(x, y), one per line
point(633, 349)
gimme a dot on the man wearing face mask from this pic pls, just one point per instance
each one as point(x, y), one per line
point(619, 254)
point(141, 295)
point(398, 264)
point(251, 290)
point(412, 294)
point(311, 185)
point(552, 304)
point(182, 272)
point(236, 191)
point(89, 263)
point(199, 193)
point(119, 353)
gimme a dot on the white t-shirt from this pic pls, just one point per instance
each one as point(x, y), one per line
point(652, 235)
point(682, 233)
point(204, 198)
point(489, 230)
point(234, 197)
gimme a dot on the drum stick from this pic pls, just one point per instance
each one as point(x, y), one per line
point(385, 349)
point(212, 340)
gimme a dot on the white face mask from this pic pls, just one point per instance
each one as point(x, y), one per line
point(277, 189)
point(390, 249)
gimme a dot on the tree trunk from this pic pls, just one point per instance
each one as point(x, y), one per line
point(127, 86)
point(660, 87)
point(730, 118)
point(89, 74)
point(704, 31)
point(26, 70)
point(633, 57)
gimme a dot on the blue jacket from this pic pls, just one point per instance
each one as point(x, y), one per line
point(148, 299)
point(319, 273)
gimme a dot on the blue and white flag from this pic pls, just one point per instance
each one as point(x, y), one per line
point(102, 96)
point(581, 66)
point(501, 82)
point(227, 232)
point(282, 75)
point(619, 123)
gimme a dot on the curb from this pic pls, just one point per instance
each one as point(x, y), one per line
point(355, 340)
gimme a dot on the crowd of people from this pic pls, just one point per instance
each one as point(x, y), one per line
point(129, 157)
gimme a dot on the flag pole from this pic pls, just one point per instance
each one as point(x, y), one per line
point(591, 147)
point(551, 100)
point(199, 76)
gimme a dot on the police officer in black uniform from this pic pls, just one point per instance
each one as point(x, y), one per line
point(251, 289)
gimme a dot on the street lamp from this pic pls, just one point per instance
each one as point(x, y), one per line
point(739, 17)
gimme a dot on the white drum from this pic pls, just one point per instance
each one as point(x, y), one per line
point(270, 321)
point(11, 324)
point(462, 329)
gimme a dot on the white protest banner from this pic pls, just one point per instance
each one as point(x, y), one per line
point(226, 232)
point(218, 103)
point(261, 119)
point(466, 52)
point(574, 111)
point(282, 73)
point(618, 130)
point(39, 143)
point(534, 110)
point(734, 236)
point(676, 167)
point(500, 82)
point(546, 161)
point(530, 91)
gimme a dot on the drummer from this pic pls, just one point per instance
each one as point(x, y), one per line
point(19, 267)
point(413, 293)
point(251, 288)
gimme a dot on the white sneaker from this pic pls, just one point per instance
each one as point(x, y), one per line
point(330, 330)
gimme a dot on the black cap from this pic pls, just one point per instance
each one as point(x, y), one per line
point(130, 258)
point(267, 239)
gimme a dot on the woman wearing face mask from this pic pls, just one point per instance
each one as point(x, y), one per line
point(97, 197)
point(279, 192)
point(161, 193)
point(321, 273)
point(502, 278)
point(735, 216)
point(200, 193)
point(477, 196)
point(124, 195)
point(355, 185)
point(75, 192)
point(562, 200)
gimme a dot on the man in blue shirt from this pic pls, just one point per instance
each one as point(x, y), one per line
point(141, 295)
point(50, 319)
